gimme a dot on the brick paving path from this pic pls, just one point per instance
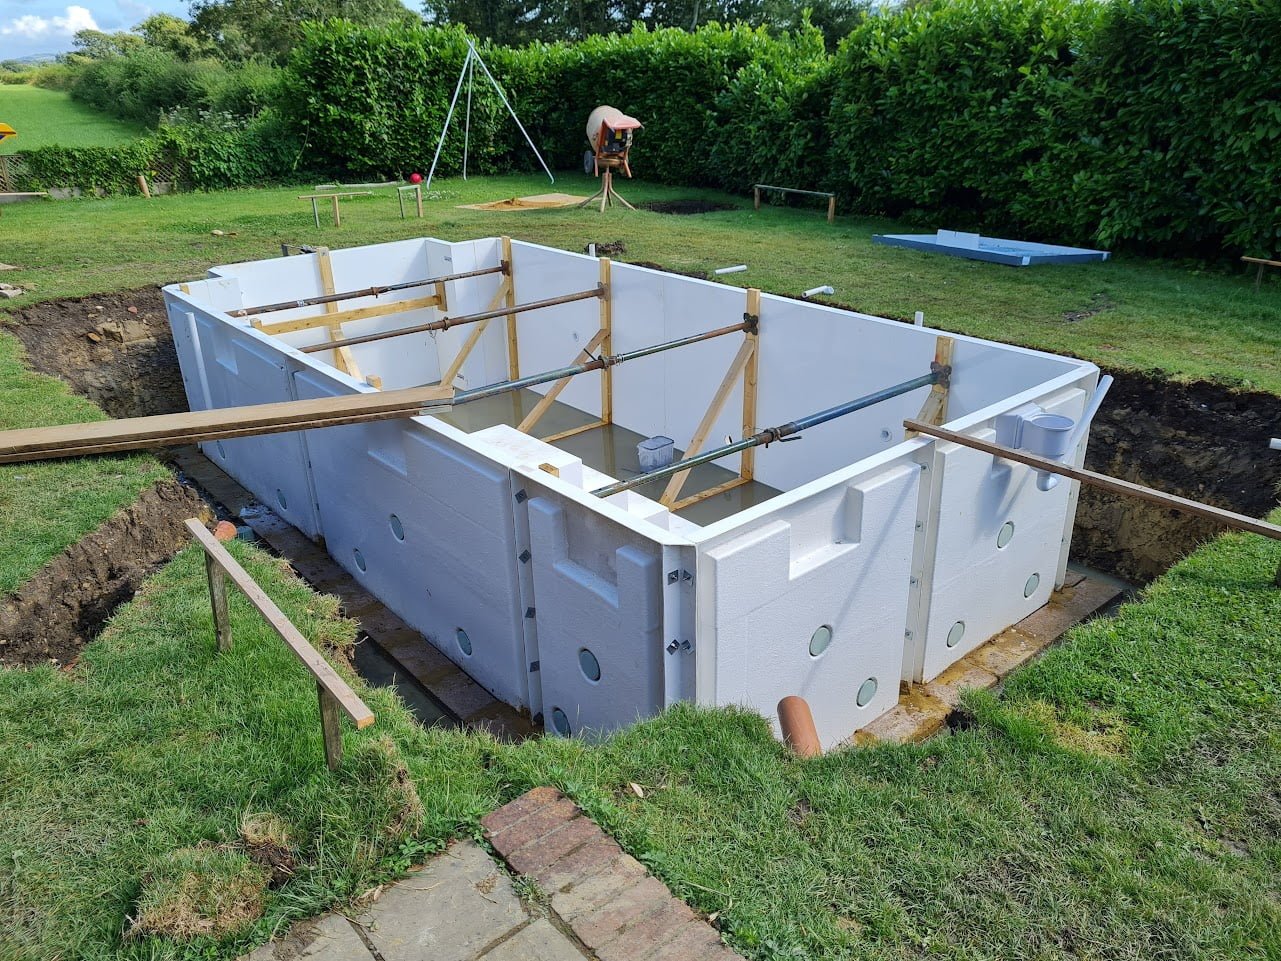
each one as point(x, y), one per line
point(461, 906)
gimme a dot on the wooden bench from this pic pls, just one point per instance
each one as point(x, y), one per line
point(831, 198)
point(315, 211)
point(1258, 278)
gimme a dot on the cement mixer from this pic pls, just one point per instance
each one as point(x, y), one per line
point(609, 134)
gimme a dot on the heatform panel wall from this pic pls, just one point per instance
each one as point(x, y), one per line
point(883, 558)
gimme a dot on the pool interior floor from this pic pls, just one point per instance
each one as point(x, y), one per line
point(612, 450)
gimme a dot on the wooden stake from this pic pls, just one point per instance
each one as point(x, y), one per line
point(934, 410)
point(330, 727)
point(337, 218)
point(345, 362)
point(582, 429)
point(831, 209)
point(418, 199)
point(142, 185)
point(729, 485)
point(513, 343)
point(218, 600)
point(584, 355)
point(607, 345)
point(747, 468)
point(736, 367)
point(756, 197)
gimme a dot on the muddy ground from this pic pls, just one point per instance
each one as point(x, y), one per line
point(684, 207)
point(1200, 440)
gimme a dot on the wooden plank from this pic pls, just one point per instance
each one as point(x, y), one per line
point(794, 190)
point(533, 417)
point(343, 316)
point(1260, 260)
point(745, 353)
point(729, 485)
point(607, 345)
point(1104, 481)
point(320, 669)
point(747, 465)
point(342, 356)
point(934, 410)
point(162, 430)
point(513, 343)
point(573, 431)
point(447, 378)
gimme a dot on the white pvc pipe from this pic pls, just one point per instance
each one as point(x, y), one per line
point(919, 319)
point(1276, 443)
point(825, 289)
point(738, 269)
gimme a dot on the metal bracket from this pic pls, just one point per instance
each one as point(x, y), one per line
point(680, 575)
point(521, 496)
point(681, 646)
point(752, 322)
point(944, 372)
point(524, 557)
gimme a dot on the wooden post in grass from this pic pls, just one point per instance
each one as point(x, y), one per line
point(218, 600)
point(333, 692)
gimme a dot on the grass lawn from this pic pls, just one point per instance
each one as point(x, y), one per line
point(46, 117)
point(1119, 801)
point(1193, 323)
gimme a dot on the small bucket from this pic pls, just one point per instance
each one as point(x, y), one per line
point(655, 453)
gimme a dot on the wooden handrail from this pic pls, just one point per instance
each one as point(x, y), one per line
point(334, 693)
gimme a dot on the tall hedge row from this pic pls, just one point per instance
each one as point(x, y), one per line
point(1151, 124)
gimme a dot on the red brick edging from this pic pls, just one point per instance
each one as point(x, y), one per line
point(614, 906)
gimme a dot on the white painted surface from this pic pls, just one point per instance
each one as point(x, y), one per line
point(889, 542)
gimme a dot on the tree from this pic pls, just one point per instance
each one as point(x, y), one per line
point(167, 32)
point(268, 29)
point(97, 45)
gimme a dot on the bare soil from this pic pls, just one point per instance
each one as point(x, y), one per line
point(66, 604)
point(1201, 441)
point(115, 349)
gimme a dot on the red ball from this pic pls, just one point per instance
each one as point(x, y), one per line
point(415, 178)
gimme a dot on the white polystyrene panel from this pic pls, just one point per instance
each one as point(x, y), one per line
point(598, 587)
point(241, 370)
point(551, 338)
point(456, 567)
point(839, 559)
point(969, 579)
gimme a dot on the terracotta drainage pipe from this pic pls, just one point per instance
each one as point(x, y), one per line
point(797, 722)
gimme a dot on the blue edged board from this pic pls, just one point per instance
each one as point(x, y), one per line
point(1014, 253)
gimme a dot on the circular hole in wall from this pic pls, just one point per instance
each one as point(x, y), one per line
point(1006, 533)
point(397, 528)
point(560, 722)
point(866, 691)
point(222, 451)
point(588, 664)
point(955, 634)
point(820, 640)
point(464, 642)
point(1032, 584)
point(281, 500)
point(359, 558)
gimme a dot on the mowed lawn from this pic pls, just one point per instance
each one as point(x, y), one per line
point(47, 117)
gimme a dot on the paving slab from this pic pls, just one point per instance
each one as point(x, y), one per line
point(331, 938)
point(540, 941)
point(451, 910)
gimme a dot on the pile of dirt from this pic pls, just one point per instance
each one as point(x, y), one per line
point(1199, 440)
point(65, 605)
point(115, 349)
point(685, 207)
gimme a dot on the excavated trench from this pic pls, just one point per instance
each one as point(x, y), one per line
point(1198, 440)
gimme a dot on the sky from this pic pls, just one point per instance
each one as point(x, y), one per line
point(46, 26)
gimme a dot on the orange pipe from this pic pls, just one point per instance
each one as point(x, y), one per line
point(797, 722)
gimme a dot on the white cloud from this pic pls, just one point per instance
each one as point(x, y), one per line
point(31, 27)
